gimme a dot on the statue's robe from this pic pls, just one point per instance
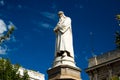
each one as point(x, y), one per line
point(64, 40)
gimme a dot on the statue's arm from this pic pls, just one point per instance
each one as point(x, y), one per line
point(63, 27)
point(56, 29)
point(66, 25)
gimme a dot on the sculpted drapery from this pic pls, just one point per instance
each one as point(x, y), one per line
point(63, 30)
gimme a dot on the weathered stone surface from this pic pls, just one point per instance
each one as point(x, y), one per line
point(64, 72)
point(108, 66)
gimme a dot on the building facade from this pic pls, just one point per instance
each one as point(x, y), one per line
point(105, 66)
point(32, 74)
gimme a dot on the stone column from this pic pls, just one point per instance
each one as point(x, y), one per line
point(110, 71)
point(90, 76)
point(95, 75)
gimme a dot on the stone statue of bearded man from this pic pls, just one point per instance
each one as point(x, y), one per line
point(64, 42)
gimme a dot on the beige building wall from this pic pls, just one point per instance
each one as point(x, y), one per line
point(104, 67)
point(32, 74)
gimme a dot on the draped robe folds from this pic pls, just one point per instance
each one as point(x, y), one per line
point(64, 40)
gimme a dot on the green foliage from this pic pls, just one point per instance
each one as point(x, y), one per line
point(115, 78)
point(118, 17)
point(26, 76)
point(117, 41)
point(10, 72)
point(7, 35)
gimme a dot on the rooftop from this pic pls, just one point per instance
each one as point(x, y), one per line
point(97, 60)
point(32, 74)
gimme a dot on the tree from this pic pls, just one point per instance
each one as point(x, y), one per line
point(10, 72)
point(25, 76)
point(117, 41)
point(7, 35)
point(7, 70)
point(118, 18)
point(115, 78)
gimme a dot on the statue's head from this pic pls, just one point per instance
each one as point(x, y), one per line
point(60, 14)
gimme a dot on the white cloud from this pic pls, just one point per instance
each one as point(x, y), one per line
point(49, 15)
point(45, 25)
point(54, 6)
point(86, 58)
point(80, 6)
point(11, 25)
point(19, 6)
point(3, 49)
point(13, 39)
point(2, 27)
point(2, 3)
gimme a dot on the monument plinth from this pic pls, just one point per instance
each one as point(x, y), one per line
point(64, 67)
point(64, 72)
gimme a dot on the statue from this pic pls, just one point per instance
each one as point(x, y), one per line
point(64, 67)
point(63, 31)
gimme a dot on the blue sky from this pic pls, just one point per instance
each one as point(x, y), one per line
point(32, 44)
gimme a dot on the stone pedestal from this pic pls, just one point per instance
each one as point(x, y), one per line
point(64, 60)
point(64, 72)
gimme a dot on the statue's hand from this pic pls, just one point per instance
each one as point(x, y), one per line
point(55, 30)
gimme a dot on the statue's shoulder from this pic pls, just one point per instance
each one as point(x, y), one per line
point(68, 18)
